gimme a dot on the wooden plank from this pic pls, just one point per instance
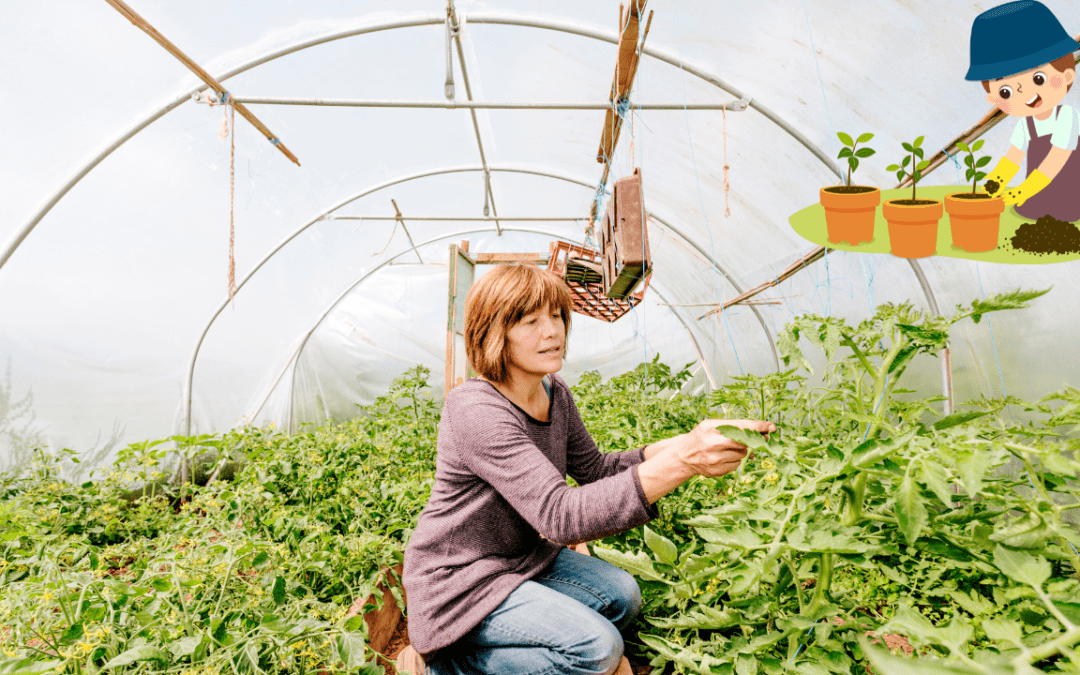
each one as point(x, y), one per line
point(143, 25)
point(623, 81)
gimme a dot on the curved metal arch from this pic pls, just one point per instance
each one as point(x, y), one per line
point(188, 387)
point(573, 29)
point(295, 357)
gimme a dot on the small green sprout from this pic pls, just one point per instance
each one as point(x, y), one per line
point(852, 154)
point(973, 165)
point(916, 172)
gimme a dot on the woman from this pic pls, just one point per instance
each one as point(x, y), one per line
point(490, 586)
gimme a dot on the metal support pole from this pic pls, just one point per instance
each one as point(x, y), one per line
point(489, 196)
point(738, 105)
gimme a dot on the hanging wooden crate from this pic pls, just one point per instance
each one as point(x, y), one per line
point(582, 270)
point(624, 238)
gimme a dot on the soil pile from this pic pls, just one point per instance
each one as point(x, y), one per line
point(992, 186)
point(1047, 235)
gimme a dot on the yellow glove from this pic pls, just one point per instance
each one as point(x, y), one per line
point(1002, 174)
point(1034, 183)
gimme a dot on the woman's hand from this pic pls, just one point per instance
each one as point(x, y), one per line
point(707, 452)
point(702, 452)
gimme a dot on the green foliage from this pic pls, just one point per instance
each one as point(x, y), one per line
point(913, 150)
point(868, 513)
point(248, 574)
point(852, 152)
point(973, 163)
point(865, 515)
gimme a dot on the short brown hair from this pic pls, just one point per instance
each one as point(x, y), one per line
point(498, 301)
point(1067, 62)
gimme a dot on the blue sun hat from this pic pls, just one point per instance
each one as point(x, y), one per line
point(1015, 37)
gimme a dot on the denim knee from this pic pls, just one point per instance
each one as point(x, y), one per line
point(626, 598)
point(599, 650)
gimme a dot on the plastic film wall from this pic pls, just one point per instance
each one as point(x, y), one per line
point(115, 196)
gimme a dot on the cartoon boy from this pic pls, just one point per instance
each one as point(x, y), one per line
point(1024, 58)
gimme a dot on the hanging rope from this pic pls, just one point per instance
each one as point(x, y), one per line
point(727, 185)
point(227, 99)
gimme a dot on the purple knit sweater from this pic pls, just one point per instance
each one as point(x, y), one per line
point(500, 483)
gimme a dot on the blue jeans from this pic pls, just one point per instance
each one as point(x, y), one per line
point(565, 620)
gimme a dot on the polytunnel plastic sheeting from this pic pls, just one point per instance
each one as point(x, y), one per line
point(109, 289)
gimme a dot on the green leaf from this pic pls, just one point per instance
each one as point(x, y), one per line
point(161, 585)
point(910, 509)
point(788, 344)
point(1027, 532)
point(260, 559)
point(923, 164)
point(663, 547)
point(29, 666)
point(865, 138)
point(853, 163)
point(746, 665)
point(278, 591)
point(741, 538)
point(1022, 567)
point(864, 152)
point(963, 146)
point(958, 418)
point(972, 466)
point(892, 167)
point(980, 175)
point(983, 161)
point(885, 662)
point(918, 141)
point(751, 439)
point(185, 646)
point(351, 647)
point(1009, 300)
point(908, 147)
point(703, 617)
point(845, 139)
point(1003, 630)
point(967, 160)
point(844, 152)
point(933, 475)
point(140, 653)
point(903, 358)
point(72, 634)
point(638, 564)
point(978, 145)
point(900, 175)
point(874, 450)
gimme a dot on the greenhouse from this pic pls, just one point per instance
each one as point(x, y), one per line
point(239, 244)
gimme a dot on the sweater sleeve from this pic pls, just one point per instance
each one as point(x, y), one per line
point(584, 461)
point(495, 447)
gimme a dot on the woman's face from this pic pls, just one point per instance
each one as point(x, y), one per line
point(536, 343)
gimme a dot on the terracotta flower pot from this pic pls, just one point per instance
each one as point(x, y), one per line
point(849, 212)
point(912, 227)
point(974, 222)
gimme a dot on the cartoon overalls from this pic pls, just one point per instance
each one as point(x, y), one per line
point(1061, 198)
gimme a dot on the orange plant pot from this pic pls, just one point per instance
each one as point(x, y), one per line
point(913, 228)
point(975, 223)
point(849, 216)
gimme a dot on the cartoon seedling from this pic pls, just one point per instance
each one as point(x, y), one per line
point(909, 159)
point(973, 164)
point(852, 152)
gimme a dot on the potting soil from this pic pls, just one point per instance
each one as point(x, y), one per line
point(992, 186)
point(1047, 235)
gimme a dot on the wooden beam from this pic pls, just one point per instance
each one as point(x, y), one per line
point(813, 256)
point(206, 77)
point(625, 70)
